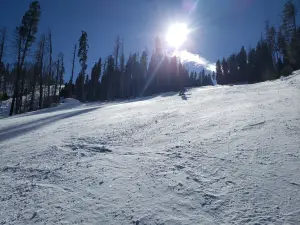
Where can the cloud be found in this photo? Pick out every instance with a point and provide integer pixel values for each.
(198, 60)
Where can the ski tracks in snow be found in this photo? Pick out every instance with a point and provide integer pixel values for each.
(225, 156)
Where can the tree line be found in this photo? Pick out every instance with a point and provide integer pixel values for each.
(276, 54)
(38, 82)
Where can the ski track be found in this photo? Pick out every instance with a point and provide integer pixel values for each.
(223, 155)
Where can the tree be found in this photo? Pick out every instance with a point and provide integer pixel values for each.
(143, 72)
(72, 74)
(25, 36)
(251, 67)
(2, 45)
(62, 72)
(43, 40)
(82, 55)
(122, 69)
(50, 73)
(219, 73)
(225, 70)
(58, 74)
(270, 33)
(289, 20)
(95, 77)
(242, 65)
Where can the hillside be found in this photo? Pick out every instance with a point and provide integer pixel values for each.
(219, 155)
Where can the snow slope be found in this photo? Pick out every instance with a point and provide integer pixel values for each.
(219, 155)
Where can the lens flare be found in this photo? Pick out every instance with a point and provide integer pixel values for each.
(177, 34)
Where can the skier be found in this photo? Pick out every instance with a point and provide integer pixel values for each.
(182, 91)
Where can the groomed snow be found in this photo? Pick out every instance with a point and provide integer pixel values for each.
(219, 155)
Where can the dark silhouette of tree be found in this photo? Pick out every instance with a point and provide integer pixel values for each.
(70, 84)
(220, 74)
(24, 37)
(82, 55)
(50, 69)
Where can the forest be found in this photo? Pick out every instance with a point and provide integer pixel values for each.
(276, 54)
(40, 81)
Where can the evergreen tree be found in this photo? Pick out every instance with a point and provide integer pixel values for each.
(25, 36)
(50, 72)
(242, 65)
(95, 77)
(219, 73)
(72, 74)
(82, 55)
(289, 20)
(225, 70)
(2, 65)
(41, 64)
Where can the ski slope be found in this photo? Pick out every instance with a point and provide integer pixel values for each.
(218, 155)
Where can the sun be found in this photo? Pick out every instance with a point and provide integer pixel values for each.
(177, 34)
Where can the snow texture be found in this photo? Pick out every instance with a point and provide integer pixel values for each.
(217, 155)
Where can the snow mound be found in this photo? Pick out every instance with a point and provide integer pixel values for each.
(293, 80)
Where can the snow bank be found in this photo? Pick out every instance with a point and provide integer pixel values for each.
(222, 155)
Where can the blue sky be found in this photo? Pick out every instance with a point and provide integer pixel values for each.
(220, 26)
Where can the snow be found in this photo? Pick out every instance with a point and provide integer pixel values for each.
(5, 105)
(218, 155)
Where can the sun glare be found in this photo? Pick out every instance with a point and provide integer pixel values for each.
(177, 34)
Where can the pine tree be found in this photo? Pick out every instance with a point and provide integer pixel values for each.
(242, 65)
(50, 72)
(62, 72)
(82, 55)
(219, 73)
(58, 69)
(95, 77)
(289, 25)
(225, 70)
(2, 45)
(143, 72)
(72, 74)
(251, 66)
(122, 69)
(271, 40)
(25, 36)
(42, 50)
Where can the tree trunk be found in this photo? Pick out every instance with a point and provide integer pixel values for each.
(72, 75)
(56, 80)
(50, 67)
(41, 72)
(16, 87)
(33, 89)
(61, 75)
